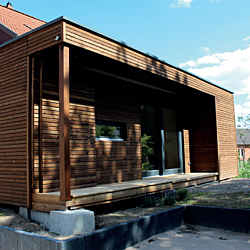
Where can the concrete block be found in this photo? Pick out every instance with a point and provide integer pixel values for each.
(35, 242)
(8, 238)
(132, 232)
(215, 217)
(23, 211)
(41, 217)
(78, 221)
(96, 240)
(77, 242)
(248, 221)
(114, 238)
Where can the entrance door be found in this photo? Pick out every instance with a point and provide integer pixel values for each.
(171, 140)
(161, 142)
(149, 141)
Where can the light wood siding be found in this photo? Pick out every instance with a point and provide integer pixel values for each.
(82, 129)
(14, 112)
(118, 161)
(186, 151)
(226, 133)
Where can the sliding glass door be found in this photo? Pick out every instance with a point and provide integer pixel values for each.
(161, 142)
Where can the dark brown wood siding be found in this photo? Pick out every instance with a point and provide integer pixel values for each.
(203, 141)
(226, 133)
(118, 161)
(14, 112)
(82, 129)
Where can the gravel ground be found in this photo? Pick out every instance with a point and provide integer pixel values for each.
(227, 186)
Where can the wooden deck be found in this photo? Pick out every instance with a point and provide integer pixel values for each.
(107, 193)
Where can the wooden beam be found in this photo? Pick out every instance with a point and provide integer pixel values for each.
(29, 133)
(41, 128)
(64, 149)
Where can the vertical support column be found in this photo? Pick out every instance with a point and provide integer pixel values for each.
(30, 122)
(40, 128)
(64, 148)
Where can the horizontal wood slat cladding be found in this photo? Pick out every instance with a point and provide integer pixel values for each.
(203, 141)
(82, 129)
(226, 133)
(13, 121)
(13, 112)
(118, 161)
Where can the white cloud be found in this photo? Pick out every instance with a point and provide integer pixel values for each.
(206, 49)
(230, 70)
(181, 3)
(247, 38)
(191, 63)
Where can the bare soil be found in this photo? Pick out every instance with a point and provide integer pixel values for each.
(233, 193)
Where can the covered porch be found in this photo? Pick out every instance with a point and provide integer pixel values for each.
(73, 89)
(107, 193)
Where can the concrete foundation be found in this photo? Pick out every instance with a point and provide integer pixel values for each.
(78, 221)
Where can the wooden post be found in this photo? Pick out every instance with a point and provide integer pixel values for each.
(30, 121)
(40, 128)
(64, 149)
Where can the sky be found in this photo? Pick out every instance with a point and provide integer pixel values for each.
(209, 38)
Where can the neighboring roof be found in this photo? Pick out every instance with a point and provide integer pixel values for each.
(63, 18)
(243, 137)
(18, 22)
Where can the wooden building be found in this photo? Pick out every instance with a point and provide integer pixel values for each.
(80, 113)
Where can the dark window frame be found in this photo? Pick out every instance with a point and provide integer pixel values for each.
(122, 125)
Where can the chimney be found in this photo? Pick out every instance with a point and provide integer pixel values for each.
(9, 5)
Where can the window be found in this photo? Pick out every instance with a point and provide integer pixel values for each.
(112, 131)
(242, 153)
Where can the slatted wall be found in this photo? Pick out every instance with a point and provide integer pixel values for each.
(13, 120)
(226, 133)
(118, 161)
(203, 141)
(186, 145)
(82, 128)
(14, 112)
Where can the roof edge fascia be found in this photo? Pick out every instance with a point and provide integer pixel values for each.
(8, 31)
(64, 18)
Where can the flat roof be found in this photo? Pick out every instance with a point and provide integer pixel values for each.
(64, 18)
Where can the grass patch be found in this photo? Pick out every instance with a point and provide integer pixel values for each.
(230, 200)
(244, 170)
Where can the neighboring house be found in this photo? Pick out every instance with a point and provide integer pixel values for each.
(74, 104)
(243, 143)
(14, 23)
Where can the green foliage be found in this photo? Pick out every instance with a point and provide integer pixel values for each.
(182, 194)
(102, 130)
(244, 171)
(169, 201)
(147, 151)
(149, 200)
(200, 193)
(170, 197)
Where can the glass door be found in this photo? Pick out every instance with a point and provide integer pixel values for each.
(148, 141)
(171, 140)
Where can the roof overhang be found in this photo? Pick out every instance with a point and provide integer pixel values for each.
(121, 43)
(8, 31)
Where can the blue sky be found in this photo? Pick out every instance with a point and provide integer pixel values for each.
(210, 38)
